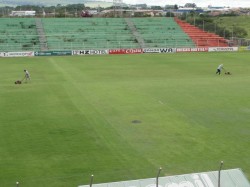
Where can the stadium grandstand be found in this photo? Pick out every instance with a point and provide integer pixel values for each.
(23, 34)
(18, 34)
(200, 37)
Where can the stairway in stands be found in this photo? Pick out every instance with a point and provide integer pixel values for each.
(200, 37)
(41, 34)
(135, 33)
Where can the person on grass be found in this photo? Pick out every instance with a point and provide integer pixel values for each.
(220, 67)
(26, 76)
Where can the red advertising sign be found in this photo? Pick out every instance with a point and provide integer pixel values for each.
(125, 51)
(199, 49)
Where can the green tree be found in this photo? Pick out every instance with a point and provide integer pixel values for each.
(169, 14)
(239, 32)
(190, 5)
(156, 7)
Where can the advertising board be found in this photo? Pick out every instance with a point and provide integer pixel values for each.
(159, 50)
(125, 51)
(53, 53)
(2, 54)
(90, 52)
(223, 49)
(17, 54)
(188, 49)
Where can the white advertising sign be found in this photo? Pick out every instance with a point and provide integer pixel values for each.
(17, 54)
(90, 52)
(222, 49)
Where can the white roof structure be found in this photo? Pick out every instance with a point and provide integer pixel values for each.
(228, 178)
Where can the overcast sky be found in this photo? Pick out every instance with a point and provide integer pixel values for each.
(199, 3)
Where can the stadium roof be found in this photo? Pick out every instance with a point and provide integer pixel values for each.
(228, 178)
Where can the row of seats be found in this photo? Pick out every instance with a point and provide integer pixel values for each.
(162, 32)
(78, 33)
(18, 34)
(200, 37)
(77, 46)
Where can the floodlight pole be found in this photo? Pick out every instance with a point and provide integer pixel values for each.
(91, 180)
(157, 177)
(221, 164)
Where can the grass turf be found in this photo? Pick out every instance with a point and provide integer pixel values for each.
(75, 117)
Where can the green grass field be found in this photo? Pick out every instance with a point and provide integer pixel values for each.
(75, 117)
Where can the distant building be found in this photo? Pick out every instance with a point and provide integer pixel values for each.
(182, 10)
(95, 4)
(139, 6)
(23, 13)
(216, 8)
